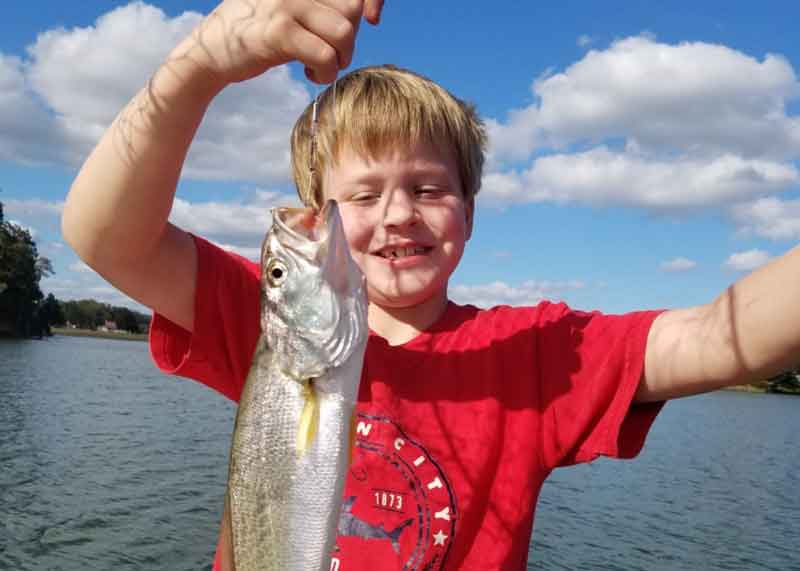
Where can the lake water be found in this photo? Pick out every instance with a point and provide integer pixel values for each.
(107, 464)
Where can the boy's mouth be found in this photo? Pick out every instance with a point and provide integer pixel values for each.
(394, 252)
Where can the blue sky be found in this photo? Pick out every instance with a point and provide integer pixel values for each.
(641, 154)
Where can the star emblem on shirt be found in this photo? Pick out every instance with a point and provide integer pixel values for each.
(438, 538)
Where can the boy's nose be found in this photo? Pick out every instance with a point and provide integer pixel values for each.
(399, 208)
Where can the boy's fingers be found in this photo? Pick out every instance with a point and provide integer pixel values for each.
(372, 11)
(334, 27)
(320, 58)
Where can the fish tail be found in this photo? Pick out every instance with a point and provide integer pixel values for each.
(394, 535)
(309, 418)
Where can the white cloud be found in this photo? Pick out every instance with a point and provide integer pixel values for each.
(501, 254)
(602, 176)
(584, 40)
(86, 75)
(678, 265)
(81, 268)
(33, 208)
(516, 139)
(237, 223)
(76, 80)
(24, 121)
(696, 97)
(31, 230)
(51, 249)
(746, 261)
(499, 293)
(654, 125)
(34, 213)
(769, 218)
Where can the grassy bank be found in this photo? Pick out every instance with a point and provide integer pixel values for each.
(101, 334)
(763, 388)
(760, 389)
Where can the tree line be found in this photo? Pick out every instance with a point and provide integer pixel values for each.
(26, 312)
(91, 314)
(22, 307)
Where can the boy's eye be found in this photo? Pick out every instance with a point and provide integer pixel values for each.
(429, 191)
(364, 196)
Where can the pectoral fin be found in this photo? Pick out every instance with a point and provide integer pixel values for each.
(309, 418)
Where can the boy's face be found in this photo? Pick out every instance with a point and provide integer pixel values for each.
(405, 220)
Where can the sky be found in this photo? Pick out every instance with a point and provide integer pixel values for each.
(641, 155)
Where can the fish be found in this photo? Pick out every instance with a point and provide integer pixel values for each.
(293, 433)
(352, 526)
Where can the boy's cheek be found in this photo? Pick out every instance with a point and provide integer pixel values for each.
(354, 230)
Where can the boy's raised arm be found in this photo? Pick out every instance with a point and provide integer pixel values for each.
(116, 213)
(749, 333)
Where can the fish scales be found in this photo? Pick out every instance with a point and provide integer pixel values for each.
(290, 448)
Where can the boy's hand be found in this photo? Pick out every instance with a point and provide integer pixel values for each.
(241, 39)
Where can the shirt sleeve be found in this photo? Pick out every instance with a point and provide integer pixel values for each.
(219, 351)
(591, 366)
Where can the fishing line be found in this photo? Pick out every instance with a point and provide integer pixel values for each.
(315, 113)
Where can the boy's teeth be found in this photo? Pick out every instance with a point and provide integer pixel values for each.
(402, 252)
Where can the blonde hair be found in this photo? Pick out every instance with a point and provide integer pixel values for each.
(380, 109)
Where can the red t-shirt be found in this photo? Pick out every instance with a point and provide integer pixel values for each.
(458, 428)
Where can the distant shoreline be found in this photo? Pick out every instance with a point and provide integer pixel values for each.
(756, 389)
(753, 389)
(99, 334)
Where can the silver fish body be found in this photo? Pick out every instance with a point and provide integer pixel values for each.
(291, 442)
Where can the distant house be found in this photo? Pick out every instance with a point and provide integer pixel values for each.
(108, 326)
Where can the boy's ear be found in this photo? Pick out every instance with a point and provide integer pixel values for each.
(469, 209)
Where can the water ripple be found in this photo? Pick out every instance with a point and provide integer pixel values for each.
(107, 464)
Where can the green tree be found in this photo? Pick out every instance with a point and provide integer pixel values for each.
(3, 284)
(86, 313)
(125, 319)
(21, 269)
(90, 314)
(787, 382)
(52, 312)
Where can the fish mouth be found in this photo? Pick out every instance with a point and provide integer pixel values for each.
(299, 223)
(306, 223)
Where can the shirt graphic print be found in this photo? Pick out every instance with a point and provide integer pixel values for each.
(399, 510)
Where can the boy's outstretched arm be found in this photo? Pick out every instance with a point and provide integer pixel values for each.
(749, 333)
(115, 216)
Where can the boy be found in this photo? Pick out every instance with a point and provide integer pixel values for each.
(462, 412)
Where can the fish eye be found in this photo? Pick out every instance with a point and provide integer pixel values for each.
(276, 273)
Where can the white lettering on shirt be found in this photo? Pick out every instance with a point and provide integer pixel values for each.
(437, 483)
(363, 428)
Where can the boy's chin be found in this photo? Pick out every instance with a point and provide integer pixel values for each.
(407, 300)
